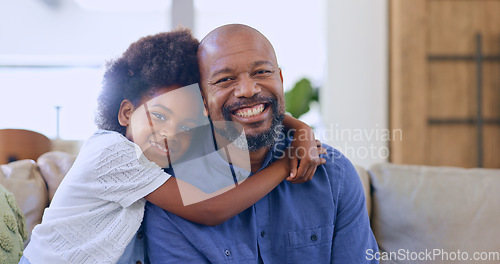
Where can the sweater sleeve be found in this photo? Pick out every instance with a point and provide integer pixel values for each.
(124, 175)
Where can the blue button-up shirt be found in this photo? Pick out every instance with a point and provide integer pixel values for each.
(320, 221)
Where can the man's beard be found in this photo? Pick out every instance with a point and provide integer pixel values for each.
(232, 130)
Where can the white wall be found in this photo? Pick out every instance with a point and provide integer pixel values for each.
(354, 101)
(33, 32)
(294, 27)
(354, 91)
(37, 30)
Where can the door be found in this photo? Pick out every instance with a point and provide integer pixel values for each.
(445, 82)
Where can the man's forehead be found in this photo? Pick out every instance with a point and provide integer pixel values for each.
(255, 52)
(226, 32)
(231, 38)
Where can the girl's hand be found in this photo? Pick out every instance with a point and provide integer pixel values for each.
(304, 156)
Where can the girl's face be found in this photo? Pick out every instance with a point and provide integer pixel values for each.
(162, 124)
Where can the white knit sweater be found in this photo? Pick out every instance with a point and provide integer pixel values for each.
(99, 205)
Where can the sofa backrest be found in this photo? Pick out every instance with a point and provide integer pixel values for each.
(33, 183)
(54, 165)
(23, 179)
(437, 209)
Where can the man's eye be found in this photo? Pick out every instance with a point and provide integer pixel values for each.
(260, 72)
(225, 79)
(159, 116)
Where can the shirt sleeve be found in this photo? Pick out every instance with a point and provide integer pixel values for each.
(124, 175)
(353, 239)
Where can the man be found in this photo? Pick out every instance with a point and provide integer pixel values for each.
(320, 221)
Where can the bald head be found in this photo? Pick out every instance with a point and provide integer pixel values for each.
(232, 34)
(229, 30)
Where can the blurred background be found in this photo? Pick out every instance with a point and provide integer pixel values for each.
(380, 80)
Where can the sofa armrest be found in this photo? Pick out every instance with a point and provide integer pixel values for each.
(365, 180)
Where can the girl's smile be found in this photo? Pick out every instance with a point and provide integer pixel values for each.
(162, 123)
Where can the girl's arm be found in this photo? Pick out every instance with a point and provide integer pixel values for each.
(218, 207)
(305, 150)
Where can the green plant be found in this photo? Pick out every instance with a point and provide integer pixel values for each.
(299, 97)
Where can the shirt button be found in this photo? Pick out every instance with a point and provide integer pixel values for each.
(262, 233)
(139, 235)
(138, 262)
(227, 252)
(314, 237)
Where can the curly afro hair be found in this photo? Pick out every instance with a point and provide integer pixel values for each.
(151, 63)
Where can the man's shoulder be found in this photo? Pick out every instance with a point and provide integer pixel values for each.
(335, 157)
(338, 168)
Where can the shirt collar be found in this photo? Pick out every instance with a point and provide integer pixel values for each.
(277, 149)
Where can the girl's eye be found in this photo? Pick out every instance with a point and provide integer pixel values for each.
(159, 116)
(186, 128)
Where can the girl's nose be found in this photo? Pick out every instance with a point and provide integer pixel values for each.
(171, 138)
(170, 134)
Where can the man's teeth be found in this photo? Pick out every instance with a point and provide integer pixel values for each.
(248, 112)
(158, 146)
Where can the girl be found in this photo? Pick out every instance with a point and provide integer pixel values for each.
(146, 121)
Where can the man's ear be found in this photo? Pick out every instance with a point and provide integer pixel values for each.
(281, 75)
(205, 108)
(125, 112)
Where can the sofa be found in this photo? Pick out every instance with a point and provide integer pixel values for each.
(419, 214)
(33, 184)
(429, 214)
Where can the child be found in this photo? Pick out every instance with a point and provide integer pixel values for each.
(98, 207)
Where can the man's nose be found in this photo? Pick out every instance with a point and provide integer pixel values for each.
(246, 88)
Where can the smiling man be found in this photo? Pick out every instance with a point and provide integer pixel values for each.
(242, 83)
(321, 221)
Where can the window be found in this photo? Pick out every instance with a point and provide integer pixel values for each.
(31, 94)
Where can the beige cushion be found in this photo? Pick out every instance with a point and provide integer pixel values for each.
(54, 165)
(23, 179)
(423, 208)
(365, 180)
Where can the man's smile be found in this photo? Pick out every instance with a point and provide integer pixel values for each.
(251, 113)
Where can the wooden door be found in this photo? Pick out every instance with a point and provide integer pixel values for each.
(445, 82)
